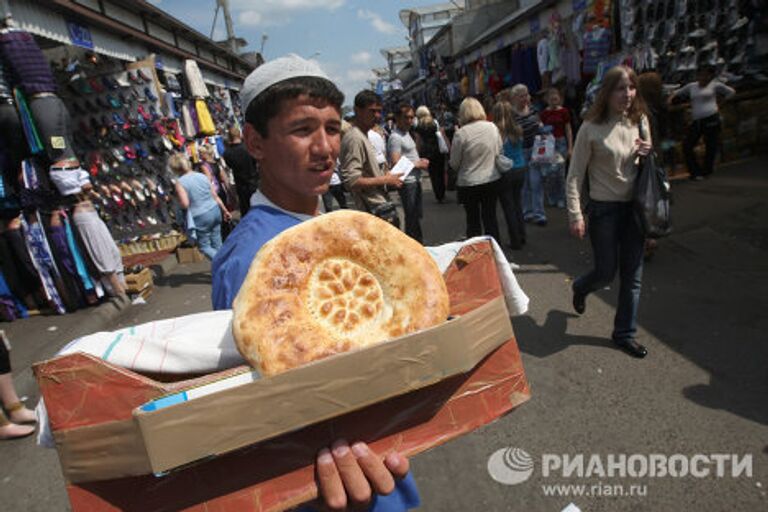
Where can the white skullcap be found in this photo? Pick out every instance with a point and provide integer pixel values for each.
(272, 72)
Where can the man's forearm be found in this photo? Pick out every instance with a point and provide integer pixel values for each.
(376, 181)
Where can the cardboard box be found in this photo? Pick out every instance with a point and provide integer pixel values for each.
(92, 411)
(189, 255)
(136, 283)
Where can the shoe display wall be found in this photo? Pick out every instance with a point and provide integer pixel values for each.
(117, 116)
(685, 34)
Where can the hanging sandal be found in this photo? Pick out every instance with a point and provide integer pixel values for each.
(10, 430)
(25, 416)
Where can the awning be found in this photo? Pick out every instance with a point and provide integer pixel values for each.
(43, 22)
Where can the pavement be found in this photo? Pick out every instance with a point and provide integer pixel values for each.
(701, 390)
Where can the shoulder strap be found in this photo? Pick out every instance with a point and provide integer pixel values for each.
(641, 129)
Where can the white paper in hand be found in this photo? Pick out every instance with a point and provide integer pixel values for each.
(403, 167)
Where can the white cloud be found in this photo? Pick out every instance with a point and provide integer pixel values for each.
(277, 12)
(359, 75)
(249, 18)
(377, 22)
(361, 57)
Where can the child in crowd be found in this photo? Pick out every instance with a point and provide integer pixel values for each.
(559, 119)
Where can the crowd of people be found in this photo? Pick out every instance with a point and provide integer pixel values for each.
(304, 151)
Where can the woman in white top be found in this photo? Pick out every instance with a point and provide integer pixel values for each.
(705, 119)
(606, 151)
(473, 154)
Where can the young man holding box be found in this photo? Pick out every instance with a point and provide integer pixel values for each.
(293, 125)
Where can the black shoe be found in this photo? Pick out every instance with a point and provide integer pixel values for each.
(579, 302)
(632, 348)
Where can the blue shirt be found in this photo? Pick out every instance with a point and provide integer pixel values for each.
(199, 191)
(231, 263)
(514, 151)
(230, 266)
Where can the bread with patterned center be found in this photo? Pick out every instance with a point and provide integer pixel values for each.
(338, 282)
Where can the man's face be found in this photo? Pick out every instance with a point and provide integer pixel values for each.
(369, 116)
(298, 156)
(405, 119)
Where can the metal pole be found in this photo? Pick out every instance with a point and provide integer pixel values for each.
(215, 17)
(228, 22)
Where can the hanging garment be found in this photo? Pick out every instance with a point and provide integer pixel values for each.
(464, 86)
(572, 65)
(188, 125)
(28, 65)
(66, 264)
(531, 76)
(195, 79)
(542, 55)
(220, 146)
(11, 307)
(19, 279)
(555, 50)
(597, 45)
(13, 145)
(170, 105)
(30, 132)
(204, 118)
(195, 120)
(40, 253)
(98, 242)
(80, 266)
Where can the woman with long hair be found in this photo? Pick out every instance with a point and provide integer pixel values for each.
(606, 151)
(512, 179)
(473, 153)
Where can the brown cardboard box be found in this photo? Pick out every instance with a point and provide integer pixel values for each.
(136, 283)
(189, 255)
(189, 431)
(90, 406)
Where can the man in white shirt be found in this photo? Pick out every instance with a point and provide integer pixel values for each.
(380, 145)
(401, 144)
(705, 119)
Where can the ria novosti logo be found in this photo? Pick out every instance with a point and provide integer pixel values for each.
(510, 466)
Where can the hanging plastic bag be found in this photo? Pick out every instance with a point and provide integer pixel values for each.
(543, 149)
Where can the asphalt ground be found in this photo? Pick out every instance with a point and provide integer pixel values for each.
(702, 390)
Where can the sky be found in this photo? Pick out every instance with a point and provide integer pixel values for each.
(343, 36)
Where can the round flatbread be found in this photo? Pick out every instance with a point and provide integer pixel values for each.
(340, 281)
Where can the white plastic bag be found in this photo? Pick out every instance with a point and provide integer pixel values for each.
(543, 149)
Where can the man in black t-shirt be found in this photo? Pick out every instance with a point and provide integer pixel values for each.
(243, 168)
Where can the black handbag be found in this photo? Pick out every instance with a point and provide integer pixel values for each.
(652, 196)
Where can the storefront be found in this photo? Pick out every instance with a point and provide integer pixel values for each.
(92, 107)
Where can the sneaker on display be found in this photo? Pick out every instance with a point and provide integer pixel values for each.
(740, 23)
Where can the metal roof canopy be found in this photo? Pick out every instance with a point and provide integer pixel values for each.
(151, 14)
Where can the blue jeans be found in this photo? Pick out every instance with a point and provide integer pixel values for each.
(553, 176)
(208, 227)
(410, 197)
(533, 194)
(617, 243)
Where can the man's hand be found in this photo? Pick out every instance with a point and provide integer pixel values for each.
(422, 163)
(578, 229)
(347, 478)
(393, 180)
